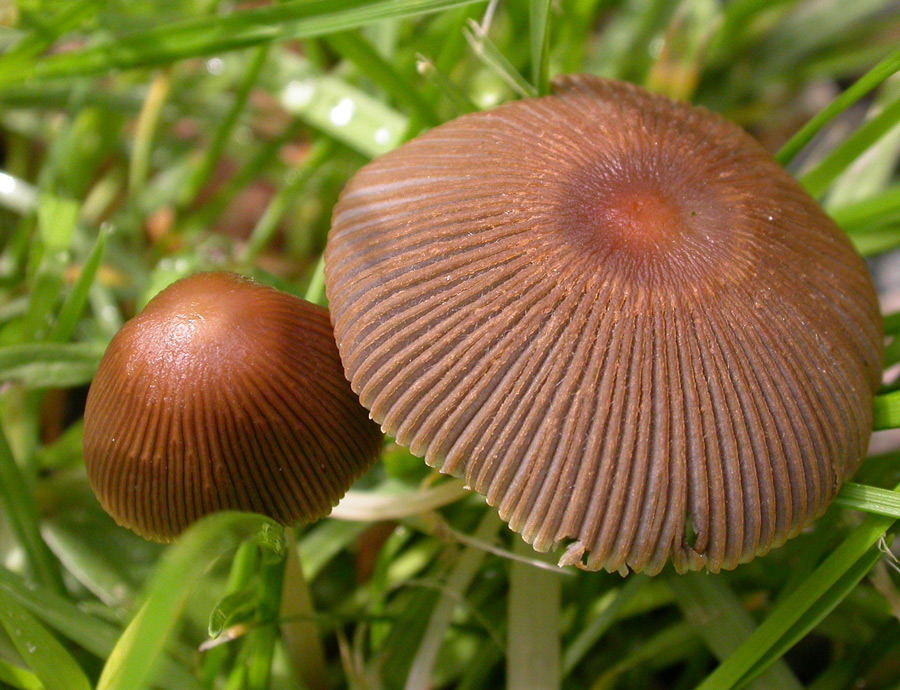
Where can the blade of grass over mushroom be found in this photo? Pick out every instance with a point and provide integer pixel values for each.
(796, 614)
(871, 499)
(370, 506)
(21, 511)
(822, 175)
(43, 653)
(50, 365)
(355, 48)
(717, 615)
(486, 51)
(130, 664)
(217, 33)
(539, 23)
(864, 85)
(465, 569)
(533, 619)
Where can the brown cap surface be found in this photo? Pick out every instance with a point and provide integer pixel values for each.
(223, 394)
(617, 317)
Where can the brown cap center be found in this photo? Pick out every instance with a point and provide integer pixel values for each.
(640, 216)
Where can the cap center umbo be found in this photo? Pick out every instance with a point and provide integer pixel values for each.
(641, 217)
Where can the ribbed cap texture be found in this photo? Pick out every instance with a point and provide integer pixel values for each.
(223, 394)
(615, 316)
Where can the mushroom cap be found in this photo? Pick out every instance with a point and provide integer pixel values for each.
(616, 316)
(223, 394)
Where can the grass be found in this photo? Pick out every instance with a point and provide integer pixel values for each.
(140, 142)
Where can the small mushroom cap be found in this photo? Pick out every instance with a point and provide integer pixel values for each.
(617, 317)
(223, 394)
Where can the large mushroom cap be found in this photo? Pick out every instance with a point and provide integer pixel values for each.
(223, 394)
(617, 317)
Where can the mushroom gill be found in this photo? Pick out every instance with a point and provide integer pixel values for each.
(615, 316)
(223, 394)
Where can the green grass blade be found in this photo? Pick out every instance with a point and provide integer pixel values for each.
(167, 43)
(73, 306)
(887, 411)
(56, 221)
(43, 653)
(796, 614)
(72, 16)
(130, 664)
(356, 49)
(147, 123)
(299, 630)
(50, 365)
(865, 84)
(871, 499)
(861, 215)
(670, 644)
(532, 638)
(820, 178)
(345, 113)
(315, 291)
(19, 678)
(21, 510)
(876, 241)
(892, 322)
(296, 180)
(486, 51)
(816, 613)
(539, 20)
(325, 541)
(717, 615)
(202, 173)
(460, 100)
(600, 623)
(458, 581)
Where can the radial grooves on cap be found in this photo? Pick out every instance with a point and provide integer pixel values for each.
(250, 412)
(510, 302)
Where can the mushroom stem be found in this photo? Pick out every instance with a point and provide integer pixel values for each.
(302, 642)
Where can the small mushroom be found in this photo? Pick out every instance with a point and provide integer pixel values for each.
(616, 316)
(223, 394)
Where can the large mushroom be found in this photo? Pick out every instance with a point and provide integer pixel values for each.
(617, 317)
(223, 394)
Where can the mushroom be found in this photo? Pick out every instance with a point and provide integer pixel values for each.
(223, 394)
(616, 316)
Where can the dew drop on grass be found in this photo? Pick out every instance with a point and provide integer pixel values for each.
(343, 112)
